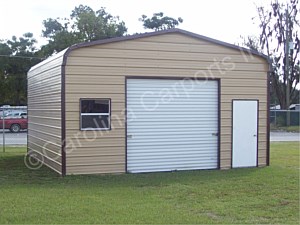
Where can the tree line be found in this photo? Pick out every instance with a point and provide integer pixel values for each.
(279, 24)
(279, 40)
(84, 24)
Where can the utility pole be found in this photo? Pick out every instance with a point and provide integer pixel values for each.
(3, 128)
(287, 65)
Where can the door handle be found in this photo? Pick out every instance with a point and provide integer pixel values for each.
(254, 135)
(215, 134)
(129, 136)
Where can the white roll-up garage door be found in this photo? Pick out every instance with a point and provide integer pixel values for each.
(171, 125)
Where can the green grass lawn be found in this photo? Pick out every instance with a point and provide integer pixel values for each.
(295, 129)
(292, 129)
(254, 195)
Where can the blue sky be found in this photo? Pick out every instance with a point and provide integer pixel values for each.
(220, 19)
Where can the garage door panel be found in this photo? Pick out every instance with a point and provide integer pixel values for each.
(183, 119)
(172, 125)
(157, 155)
(140, 168)
(169, 136)
(183, 100)
(164, 152)
(205, 148)
(156, 107)
(154, 120)
(151, 95)
(176, 138)
(137, 116)
(172, 145)
(180, 98)
(164, 127)
(171, 121)
(164, 160)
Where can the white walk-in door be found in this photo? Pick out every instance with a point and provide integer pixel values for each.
(244, 143)
(171, 125)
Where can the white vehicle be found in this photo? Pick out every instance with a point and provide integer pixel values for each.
(17, 114)
(13, 111)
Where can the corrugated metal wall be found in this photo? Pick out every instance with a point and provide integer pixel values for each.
(99, 72)
(44, 111)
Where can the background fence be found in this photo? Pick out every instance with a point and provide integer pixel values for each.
(279, 118)
(13, 126)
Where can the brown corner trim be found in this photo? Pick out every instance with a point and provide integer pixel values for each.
(126, 125)
(63, 110)
(268, 119)
(257, 133)
(219, 123)
(63, 120)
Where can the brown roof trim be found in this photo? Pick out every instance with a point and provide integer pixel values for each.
(48, 60)
(169, 31)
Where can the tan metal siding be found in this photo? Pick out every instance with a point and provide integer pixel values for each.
(44, 111)
(96, 169)
(174, 38)
(139, 54)
(161, 64)
(185, 46)
(99, 72)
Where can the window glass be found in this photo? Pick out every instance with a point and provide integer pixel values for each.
(95, 114)
(94, 106)
(94, 121)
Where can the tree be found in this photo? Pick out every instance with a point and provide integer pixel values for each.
(84, 25)
(96, 25)
(160, 22)
(4, 52)
(279, 27)
(18, 55)
(251, 42)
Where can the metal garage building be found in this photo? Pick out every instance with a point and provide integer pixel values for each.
(161, 101)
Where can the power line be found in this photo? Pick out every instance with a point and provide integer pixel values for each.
(22, 57)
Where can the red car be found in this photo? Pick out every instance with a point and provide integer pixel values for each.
(15, 123)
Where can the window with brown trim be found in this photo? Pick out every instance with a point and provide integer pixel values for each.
(94, 114)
